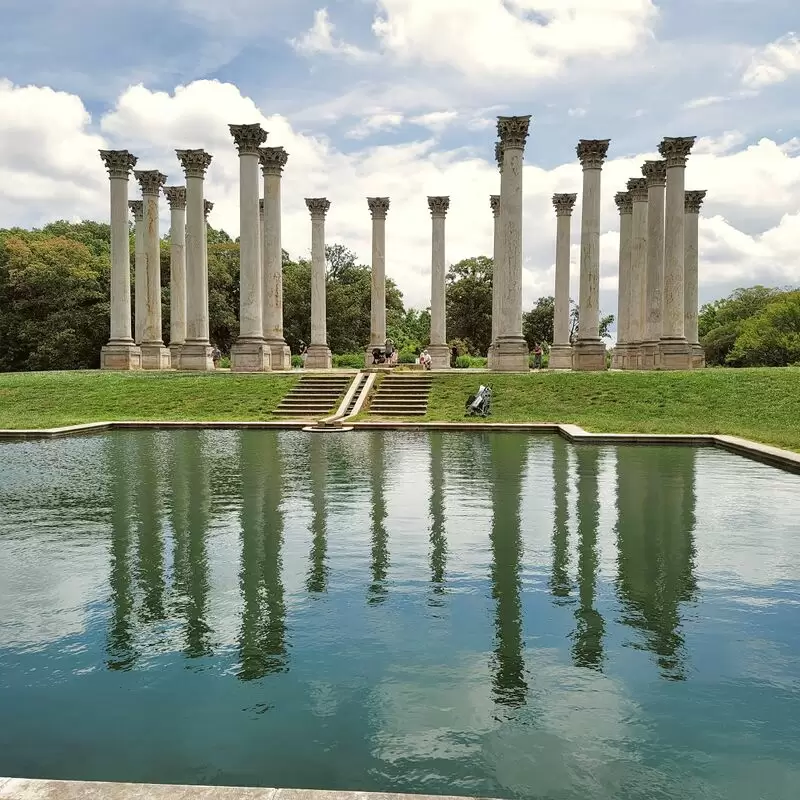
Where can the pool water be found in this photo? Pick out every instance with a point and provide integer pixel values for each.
(489, 614)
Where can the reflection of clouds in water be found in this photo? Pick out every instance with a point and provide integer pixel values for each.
(744, 533)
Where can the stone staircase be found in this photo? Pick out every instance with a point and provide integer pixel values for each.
(314, 396)
(400, 395)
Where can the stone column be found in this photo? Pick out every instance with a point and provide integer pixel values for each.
(438, 349)
(196, 352)
(154, 354)
(319, 354)
(621, 359)
(273, 160)
(139, 271)
(561, 351)
(494, 203)
(655, 172)
(250, 353)
(378, 208)
(590, 352)
(636, 314)
(176, 197)
(121, 351)
(511, 352)
(692, 203)
(674, 350)
(261, 254)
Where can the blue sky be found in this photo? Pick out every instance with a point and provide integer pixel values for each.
(365, 80)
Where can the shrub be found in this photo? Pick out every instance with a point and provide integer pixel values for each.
(297, 361)
(349, 361)
(407, 357)
(463, 362)
(225, 362)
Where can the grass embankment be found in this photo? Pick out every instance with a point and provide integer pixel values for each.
(54, 399)
(758, 404)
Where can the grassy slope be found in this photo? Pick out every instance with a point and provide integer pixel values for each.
(759, 404)
(51, 399)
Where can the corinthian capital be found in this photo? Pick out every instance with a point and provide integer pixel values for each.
(176, 197)
(150, 180)
(207, 207)
(675, 149)
(494, 203)
(248, 138)
(692, 201)
(318, 206)
(592, 152)
(564, 203)
(194, 162)
(378, 206)
(498, 155)
(655, 173)
(272, 160)
(137, 207)
(624, 202)
(119, 163)
(638, 189)
(513, 131)
(438, 205)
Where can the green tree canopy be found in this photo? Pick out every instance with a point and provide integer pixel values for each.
(469, 303)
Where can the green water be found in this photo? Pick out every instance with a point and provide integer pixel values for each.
(482, 614)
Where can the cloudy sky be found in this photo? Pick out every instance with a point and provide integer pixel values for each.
(400, 98)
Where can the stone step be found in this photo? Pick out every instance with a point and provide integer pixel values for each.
(399, 413)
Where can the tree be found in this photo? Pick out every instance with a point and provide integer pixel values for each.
(574, 323)
(770, 338)
(537, 324)
(469, 303)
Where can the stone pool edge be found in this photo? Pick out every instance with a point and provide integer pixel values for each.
(35, 789)
(774, 456)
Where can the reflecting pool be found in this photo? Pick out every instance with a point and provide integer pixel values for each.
(486, 614)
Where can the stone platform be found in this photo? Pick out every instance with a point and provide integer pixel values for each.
(28, 789)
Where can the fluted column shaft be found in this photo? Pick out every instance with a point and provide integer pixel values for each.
(561, 351)
(273, 160)
(494, 203)
(625, 205)
(693, 203)
(638, 190)
(176, 197)
(139, 270)
(151, 182)
(439, 351)
(120, 352)
(319, 354)
(378, 206)
(656, 174)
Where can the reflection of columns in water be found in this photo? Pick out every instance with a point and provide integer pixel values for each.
(150, 570)
(380, 547)
(263, 637)
(560, 583)
(190, 519)
(508, 455)
(655, 544)
(438, 539)
(587, 649)
(317, 580)
(120, 650)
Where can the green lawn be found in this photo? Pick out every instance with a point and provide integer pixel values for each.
(53, 399)
(759, 404)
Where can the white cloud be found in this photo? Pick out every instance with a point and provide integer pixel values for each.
(775, 63)
(576, 112)
(437, 121)
(319, 39)
(750, 228)
(382, 121)
(504, 39)
(702, 102)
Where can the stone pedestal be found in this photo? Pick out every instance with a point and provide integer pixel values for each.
(698, 356)
(676, 353)
(318, 356)
(655, 172)
(592, 154)
(121, 351)
(250, 356)
(378, 208)
(273, 160)
(621, 358)
(511, 350)
(196, 352)
(560, 357)
(561, 350)
(319, 353)
(154, 354)
(692, 202)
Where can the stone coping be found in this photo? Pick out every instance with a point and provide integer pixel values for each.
(29, 789)
(775, 456)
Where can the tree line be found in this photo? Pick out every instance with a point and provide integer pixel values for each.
(54, 304)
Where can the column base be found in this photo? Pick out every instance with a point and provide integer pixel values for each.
(250, 355)
(280, 355)
(698, 356)
(175, 355)
(626, 356)
(589, 355)
(675, 354)
(511, 355)
(440, 356)
(155, 356)
(196, 356)
(318, 356)
(649, 356)
(120, 355)
(560, 357)
(490, 357)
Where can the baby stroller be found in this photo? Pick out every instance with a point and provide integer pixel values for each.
(480, 404)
